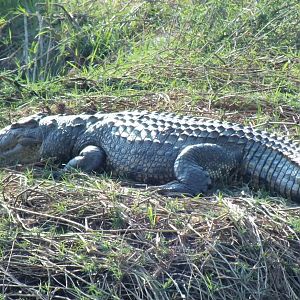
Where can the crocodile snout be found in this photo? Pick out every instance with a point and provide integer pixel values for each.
(17, 146)
(7, 139)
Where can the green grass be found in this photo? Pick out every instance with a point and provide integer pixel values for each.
(93, 238)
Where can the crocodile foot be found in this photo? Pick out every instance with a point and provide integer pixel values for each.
(178, 189)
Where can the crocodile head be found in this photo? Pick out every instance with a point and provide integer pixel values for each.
(21, 141)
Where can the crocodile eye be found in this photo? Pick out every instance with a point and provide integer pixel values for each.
(27, 122)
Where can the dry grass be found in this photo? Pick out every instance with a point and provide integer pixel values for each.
(94, 239)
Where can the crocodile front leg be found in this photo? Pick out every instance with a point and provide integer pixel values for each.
(197, 166)
(90, 159)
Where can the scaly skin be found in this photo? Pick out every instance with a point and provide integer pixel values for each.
(183, 154)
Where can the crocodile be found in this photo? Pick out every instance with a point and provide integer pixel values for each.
(178, 154)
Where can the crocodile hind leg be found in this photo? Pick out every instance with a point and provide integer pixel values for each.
(90, 159)
(197, 166)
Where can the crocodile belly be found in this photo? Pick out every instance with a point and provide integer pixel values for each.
(151, 163)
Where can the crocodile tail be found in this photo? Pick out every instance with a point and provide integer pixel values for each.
(275, 165)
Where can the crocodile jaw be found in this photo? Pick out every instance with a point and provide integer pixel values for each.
(18, 146)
